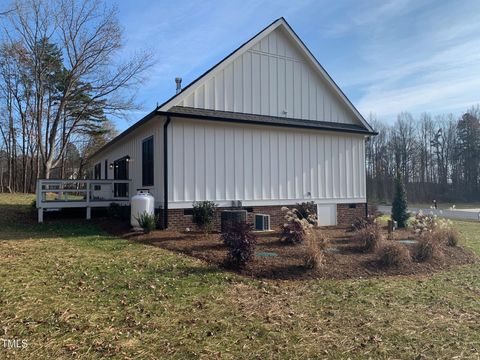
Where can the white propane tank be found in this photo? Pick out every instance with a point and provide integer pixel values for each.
(142, 202)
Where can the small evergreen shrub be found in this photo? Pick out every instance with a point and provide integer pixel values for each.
(371, 237)
(399, 204)
(308, 211)
(203, 215)
(148, 222)
(295, 228)
(393, 254)
(241, 242)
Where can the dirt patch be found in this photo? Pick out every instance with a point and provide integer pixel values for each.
(344, 258)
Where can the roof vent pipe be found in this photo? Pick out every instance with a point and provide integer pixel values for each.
(178, 81)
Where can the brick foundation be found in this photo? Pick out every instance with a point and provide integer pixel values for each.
(346, 214)
(177, 221)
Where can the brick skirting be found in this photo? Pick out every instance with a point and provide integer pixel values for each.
(179, 222)
(346, 214)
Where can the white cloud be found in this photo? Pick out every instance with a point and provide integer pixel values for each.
(397, 55)
(428, 61)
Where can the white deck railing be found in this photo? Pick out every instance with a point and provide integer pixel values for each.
(57, 194)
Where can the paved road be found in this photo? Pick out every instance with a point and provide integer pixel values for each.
(458, 214)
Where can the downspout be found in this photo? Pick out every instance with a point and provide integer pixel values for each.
(165, 173)
(367, 139)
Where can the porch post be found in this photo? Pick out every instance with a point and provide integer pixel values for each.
(89, 210)
(39, 200)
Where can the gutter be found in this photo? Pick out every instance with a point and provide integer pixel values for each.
(312, 126)
(165, 172)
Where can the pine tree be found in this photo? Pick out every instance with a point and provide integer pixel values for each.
(399, 205)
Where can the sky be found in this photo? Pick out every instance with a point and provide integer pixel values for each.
(387, 56)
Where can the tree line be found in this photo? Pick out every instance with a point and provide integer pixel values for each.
(439, 157)
(61, 78)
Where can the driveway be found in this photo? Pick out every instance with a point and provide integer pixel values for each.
(457, 214)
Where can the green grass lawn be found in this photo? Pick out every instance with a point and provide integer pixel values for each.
(71, 290)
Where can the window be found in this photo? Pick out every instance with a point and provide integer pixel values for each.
(147, 162)
(106, 169)
(97, 171)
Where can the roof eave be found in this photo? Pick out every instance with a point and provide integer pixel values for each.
(123, 134)
(311, 126)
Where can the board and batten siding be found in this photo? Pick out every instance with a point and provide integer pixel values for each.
(131, 146)
(262, 165)
(271, 78)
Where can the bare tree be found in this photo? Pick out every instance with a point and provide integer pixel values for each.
(73, 47)
(440, 155)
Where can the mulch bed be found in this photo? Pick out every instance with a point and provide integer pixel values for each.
(348, 261)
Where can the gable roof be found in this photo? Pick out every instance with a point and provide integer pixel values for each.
(281, 22)
(169, 106)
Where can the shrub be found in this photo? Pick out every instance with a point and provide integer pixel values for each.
(241, 242)
(148, 222)
(399, 205)
(371, 237)
(441, 230)
(314, 256)
(293, 233)
(295, 228)
(117, 211)
(428, 247)
(307, 211)
(361, 223)
(447, 234)
(393, 254)
(33, 205)
(452, 237)
(204, 214)
(424, 222)
(424, 250)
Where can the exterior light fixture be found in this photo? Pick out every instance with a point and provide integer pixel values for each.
(110, 166)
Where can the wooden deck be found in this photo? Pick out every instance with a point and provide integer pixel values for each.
(59, 194)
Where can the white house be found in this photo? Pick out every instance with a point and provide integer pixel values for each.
(266, 127)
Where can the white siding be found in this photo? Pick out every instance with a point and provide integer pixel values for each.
(262, 164)
(131, 146)
(271, 77)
